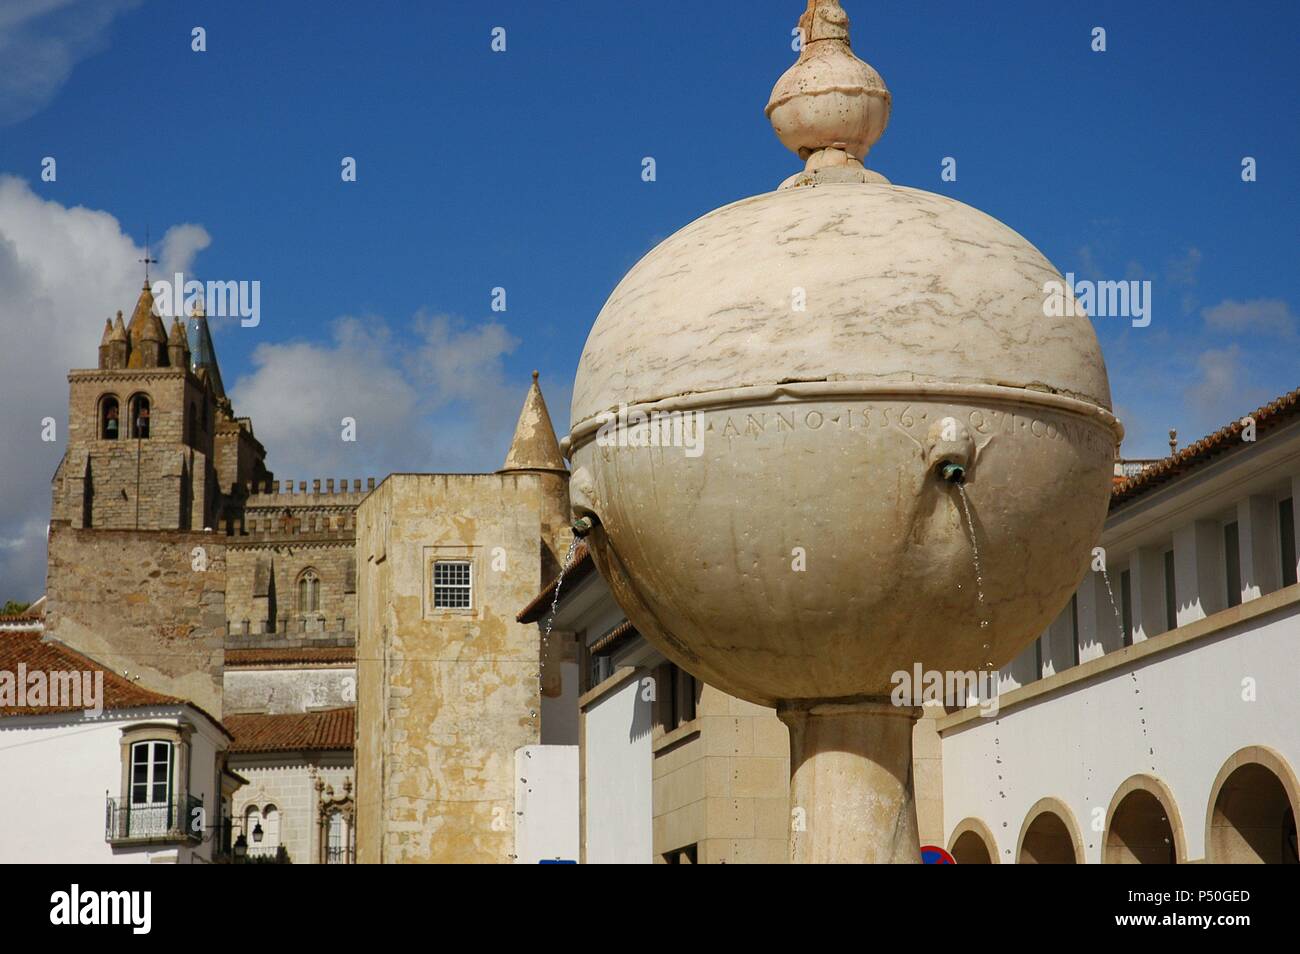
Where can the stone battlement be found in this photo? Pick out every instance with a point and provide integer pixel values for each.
(291, 633)
(281, 493)
(340, 525)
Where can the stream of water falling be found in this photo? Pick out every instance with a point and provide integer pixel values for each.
(550, 621)
(1119, 618)
(984, 627)
(979, 573)
(1137, 688)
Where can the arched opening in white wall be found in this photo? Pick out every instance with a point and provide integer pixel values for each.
(1049, 836)
(1142, 825)
(972, 844)
(1252, 813)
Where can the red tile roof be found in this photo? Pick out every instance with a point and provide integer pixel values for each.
(39, 654)
(1276, 413)
(292, 731)
(33, 614)
(620, 634)
(287, 655)
(539, 606)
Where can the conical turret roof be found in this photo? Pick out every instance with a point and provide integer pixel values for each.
(534, 446)
(203, 356)
(177, 335)
(144, 326)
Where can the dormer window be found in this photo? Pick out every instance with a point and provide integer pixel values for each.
(108, 419)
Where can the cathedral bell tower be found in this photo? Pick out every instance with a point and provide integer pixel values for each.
(141, 432)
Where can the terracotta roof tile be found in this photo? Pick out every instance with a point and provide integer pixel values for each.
(34, 613)
(292, 731)
(302, 654)
(38, 654)
(611, 640)
(1272, 415)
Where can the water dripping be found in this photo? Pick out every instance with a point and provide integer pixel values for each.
(979, 573)
(1119, 619)
(550, 622)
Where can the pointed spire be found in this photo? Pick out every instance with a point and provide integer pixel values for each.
(534, 446)
(106, 344)
(178, 347)
(203, 356)
(147, 334)
(177, 335)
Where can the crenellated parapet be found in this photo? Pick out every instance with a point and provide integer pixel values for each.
(285, 493)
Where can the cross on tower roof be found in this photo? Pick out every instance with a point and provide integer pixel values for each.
(147, 260)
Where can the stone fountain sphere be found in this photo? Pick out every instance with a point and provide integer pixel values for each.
(838, 344)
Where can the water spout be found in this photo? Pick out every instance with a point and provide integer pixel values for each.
(951, 472)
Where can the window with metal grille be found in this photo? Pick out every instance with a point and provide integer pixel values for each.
(452, 584)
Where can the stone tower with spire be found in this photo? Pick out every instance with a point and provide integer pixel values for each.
(450, 684)
(535, 450)
(154, 474)
(141, 451)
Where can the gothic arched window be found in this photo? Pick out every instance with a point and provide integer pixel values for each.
(308, 591)
(194, 422)
(139, 416)
(109, 425)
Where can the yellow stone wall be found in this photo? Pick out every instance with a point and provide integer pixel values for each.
(443, 696)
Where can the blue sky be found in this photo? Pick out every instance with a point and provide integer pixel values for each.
(522, 169)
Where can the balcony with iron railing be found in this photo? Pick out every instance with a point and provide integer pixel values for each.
(178, 819)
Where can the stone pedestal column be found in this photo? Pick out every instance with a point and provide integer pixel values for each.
(851, 795)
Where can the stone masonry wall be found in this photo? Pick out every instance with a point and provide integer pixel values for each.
(136, 602)
(445, 697)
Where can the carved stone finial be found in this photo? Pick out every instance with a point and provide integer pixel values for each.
(829, 107)
(824, 21)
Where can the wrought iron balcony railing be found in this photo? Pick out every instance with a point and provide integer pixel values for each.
(179, 819)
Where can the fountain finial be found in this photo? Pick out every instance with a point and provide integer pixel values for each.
(829, 107)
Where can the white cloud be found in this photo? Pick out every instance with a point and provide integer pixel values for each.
(1259, 316)
(40, 43)
(179, 247)
(440, 404)
(435, 397)
(63, 271)
(1222, 389)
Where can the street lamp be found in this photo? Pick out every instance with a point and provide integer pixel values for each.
(241, 847)
(257, 833)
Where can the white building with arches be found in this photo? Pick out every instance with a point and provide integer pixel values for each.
(1163, 724)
